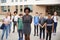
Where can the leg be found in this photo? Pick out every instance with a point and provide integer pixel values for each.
(28, 37)
(19, 34)
(37, 30)
(55, 27)
(3, 34)
(40, 32)
(47, 36)
(43, 33)
(7, 31)
(50, 35)
(10, 27)
(25, 36)
(34, 30)
(13, 27)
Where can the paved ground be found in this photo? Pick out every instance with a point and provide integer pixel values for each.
(14, 36)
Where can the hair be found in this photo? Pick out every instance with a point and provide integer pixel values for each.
(10, 14)
(27, 8)
(15, 12)
(36, 12)
(49, 13)
(20, 14)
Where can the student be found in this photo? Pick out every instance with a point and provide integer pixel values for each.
(36, 22)
(27, 20)
(49, 27)
(15, 18)
(6, 28)
(42, 26)
(55, 18)
(20, 27)
(10, 18)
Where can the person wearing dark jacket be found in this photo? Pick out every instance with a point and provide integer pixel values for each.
(49, 27)
(42, 26)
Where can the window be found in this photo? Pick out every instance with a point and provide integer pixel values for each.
(21, 8)
(30, 6)
(3, 8)
(16, 0)
(8, 8)
(25, 0)
(16, 8)
(3, 1)
(12, 0)
(20, 0)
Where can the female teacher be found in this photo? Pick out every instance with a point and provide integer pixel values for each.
(27, 20)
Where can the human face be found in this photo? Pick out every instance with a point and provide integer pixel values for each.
(27, 11)
(55, 13)
(49, 16)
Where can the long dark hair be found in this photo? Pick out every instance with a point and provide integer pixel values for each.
(10, 14)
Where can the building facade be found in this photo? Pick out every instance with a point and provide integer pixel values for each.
(39, 6)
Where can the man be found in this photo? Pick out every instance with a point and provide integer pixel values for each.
(15, 18)
(36, 22)
(49, 27)
(42, 26)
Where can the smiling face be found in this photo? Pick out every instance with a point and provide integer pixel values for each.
(27, 11)
(55, 13)
(49, 16)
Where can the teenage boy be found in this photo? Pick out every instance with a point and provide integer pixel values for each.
(15, 18)
(36, 22)
(42, 26)
(49, 27)
(20, 27)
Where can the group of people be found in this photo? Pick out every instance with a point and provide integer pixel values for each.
(23, 24)
(48, 24)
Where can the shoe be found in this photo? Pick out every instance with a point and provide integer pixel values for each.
(13, 32)
(34, 34)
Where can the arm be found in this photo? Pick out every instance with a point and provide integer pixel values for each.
(52, 27)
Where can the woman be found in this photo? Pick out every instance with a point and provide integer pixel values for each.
(20, 27)
(6, 28)
(27, 20)
(55, 18)
(10, 18)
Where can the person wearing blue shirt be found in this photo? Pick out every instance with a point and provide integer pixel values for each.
(36, 22)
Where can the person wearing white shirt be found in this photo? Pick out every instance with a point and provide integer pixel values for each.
(55, 18)
(15, 18)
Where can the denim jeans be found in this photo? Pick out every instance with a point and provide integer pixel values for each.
(55, 26)
(20, 33)
(10, 27)
(35, 29)
(6, 28)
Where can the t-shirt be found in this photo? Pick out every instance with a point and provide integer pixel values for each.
(6, 20)
(15, 18)
(20, 23)
(42, 21)
(36, 20)
(49, 23)
(55, 18)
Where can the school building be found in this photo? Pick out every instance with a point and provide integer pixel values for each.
(39, 6)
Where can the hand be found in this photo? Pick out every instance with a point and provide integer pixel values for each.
(52, 31)
(40, 25)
